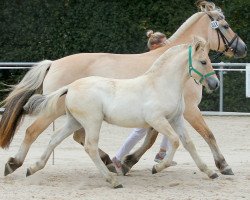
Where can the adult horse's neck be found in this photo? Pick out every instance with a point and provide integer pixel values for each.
(197, 24)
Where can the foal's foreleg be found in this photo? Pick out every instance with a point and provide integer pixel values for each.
(189, 146)
(70, 126)
(163, 126)
(130, 160)
(194, 117)
(32, 132)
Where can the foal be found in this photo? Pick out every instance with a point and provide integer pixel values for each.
(154, 99)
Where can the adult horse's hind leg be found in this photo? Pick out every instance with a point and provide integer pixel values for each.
(70, 126)
(79, 136)
(130, 160)
(32, 132)
(194, 117)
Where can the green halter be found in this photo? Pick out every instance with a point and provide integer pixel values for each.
(191, 68)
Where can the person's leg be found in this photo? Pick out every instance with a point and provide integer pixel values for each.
(164, 147)
(135, 136)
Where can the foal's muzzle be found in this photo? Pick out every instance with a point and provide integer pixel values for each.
(213, 83)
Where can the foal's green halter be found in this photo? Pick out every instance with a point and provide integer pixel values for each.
(191, 68)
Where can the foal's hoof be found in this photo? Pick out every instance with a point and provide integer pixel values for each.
(28, 173)
(154, 170)
(213, 176)
(227, 171)
(118, 186)
(111, 168)
(125, 169)
(11, 166)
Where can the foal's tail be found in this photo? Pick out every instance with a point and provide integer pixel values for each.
(13, 104)
(45, 104)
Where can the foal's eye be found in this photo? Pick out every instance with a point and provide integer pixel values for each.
(226, 26)
(203, 62)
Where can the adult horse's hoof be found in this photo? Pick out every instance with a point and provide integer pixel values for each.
(125, 169)
(111, 168)
(213, 176)
(11, 166)
(118, 186)
(227, 172)
(28, 173)
(154, 170)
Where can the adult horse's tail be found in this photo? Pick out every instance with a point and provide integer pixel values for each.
(13, 104)
(45, 104)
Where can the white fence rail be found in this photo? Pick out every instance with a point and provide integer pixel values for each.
(221, 67)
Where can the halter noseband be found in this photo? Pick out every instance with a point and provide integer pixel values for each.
(227, 44)
(191, 68)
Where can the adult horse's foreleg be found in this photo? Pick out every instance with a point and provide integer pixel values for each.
(194, 117)
(32, 132)
(130, 160)
(189, 146)
(79, 136)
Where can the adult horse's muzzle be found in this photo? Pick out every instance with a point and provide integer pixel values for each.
(239, 48)
(212, 82)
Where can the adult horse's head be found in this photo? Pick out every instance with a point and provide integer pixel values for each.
(220, 35)
(200, 66)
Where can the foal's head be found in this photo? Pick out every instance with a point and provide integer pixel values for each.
(220, 35)
(200, 67)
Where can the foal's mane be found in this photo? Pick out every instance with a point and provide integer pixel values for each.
(169, 53)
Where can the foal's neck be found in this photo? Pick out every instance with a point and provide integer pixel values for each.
(170, 70)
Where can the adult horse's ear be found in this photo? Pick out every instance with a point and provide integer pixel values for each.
(205, 6)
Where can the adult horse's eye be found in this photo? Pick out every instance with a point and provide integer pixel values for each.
(203, 62)
(226, 26)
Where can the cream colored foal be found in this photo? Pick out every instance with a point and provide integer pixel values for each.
(154, 99)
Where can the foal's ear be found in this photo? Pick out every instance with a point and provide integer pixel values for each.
(198, 43)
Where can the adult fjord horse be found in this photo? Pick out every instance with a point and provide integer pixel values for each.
(153, 99)
(48, 76)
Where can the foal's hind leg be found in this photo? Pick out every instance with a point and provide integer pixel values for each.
(91, 146)
(79, 136)
(194, 117)
(130, 160)
(70, 126)
(36, 128)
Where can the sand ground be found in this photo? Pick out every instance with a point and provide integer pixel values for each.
(74, 176)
